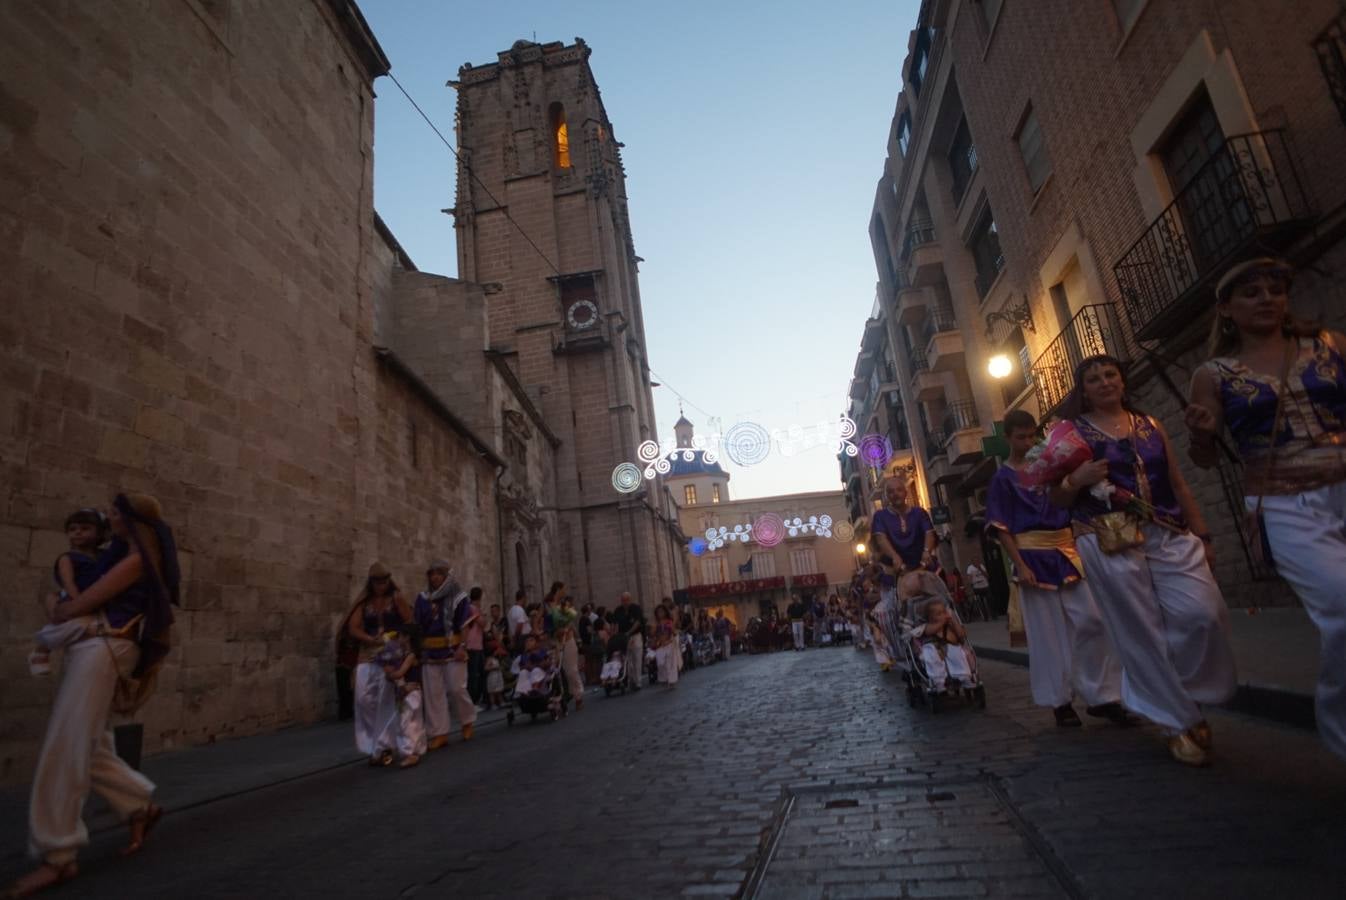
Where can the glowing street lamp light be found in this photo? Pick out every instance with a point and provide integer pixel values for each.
(860, 549)
(999, 366)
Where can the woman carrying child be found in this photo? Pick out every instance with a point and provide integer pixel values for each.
(132, 602)
(665, 642)
(1148, 562)
(564, 617)
(379, 613)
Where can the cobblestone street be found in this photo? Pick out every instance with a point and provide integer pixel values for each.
(789, 775)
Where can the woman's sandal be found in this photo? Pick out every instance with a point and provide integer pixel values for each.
(44, 876)
(141, 824)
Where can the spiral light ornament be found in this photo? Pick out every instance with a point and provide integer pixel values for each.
(747, 443)
(876, 450)
(768, 530)
(626, 478)
(843, 532)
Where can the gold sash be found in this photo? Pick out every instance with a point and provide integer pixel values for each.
(1061, 539)
(435, 643)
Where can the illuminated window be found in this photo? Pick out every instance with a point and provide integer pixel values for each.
(689, 494)
(560, 137)
(714, 493)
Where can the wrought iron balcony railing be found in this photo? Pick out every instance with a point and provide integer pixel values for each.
(934, 445)
(1093, 330)
(1247, 193)
(938, 320)
(960, 416)
(916, 361)
(920, 231)
(1330, 45)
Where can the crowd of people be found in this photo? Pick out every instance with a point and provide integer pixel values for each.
(1113, 558)
(408, 671)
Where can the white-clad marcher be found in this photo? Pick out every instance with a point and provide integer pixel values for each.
(1150, 574)
(380, 610)
(1068, 647)
(1298, 481)
(441, 613)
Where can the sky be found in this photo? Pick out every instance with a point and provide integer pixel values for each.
(754, 135)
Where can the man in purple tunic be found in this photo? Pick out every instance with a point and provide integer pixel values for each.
(904, 538)
(1065, 631)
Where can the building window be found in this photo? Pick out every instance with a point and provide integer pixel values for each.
(985, 247)
(560, 137)
(903, 136)
(1128, 11)
(1034, 151)
(962, 160)
(712, 570)
(763, 564)
(714, 493)
(689, 494)
(1199, 173)
(920, 59)
(803, 561)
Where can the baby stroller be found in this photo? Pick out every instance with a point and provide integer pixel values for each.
(917, 592)
(613, 676)
(549, 696)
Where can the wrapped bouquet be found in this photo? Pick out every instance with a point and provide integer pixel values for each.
(1061, 452)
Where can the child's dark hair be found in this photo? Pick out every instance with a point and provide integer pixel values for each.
(1019, 418)
(474, 595)
(88, 516)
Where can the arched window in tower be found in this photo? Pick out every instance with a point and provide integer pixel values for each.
(560, 137)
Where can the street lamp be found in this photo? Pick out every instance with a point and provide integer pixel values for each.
(860, 549)
(999, 366)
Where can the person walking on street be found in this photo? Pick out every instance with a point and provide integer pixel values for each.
(474, 638)
(722, 629)
(981, 588)
(796, 611)
(629, 619)
(380, 612)
(1067, 642)
(564, 617)
(518, 621)
(428, 612)
(1279, 386)
(1149, 563)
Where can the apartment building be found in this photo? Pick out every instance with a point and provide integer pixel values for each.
(1066, 178)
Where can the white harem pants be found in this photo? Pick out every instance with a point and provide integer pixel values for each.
(376, 718)
(1307, 533)
(1168, 623)
(1068, 646)
(78, 753)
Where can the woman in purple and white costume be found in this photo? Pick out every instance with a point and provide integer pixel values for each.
(1066, 639)
(904, 540)
(1262, 358)
(1164, 612)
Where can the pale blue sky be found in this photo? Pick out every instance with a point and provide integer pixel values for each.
(754, 136)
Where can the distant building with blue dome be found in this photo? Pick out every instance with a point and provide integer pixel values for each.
(693, 481)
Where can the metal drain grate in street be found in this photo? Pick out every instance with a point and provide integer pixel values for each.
(899, 840)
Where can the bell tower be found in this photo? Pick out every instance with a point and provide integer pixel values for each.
(542, 224)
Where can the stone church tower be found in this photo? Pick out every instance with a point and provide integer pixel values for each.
(542, 225)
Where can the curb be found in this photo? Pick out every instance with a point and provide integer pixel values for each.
(1262, 701)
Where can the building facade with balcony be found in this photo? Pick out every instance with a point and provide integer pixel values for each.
(1088, 183)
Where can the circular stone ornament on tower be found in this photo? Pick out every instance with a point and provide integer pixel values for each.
(582, 314)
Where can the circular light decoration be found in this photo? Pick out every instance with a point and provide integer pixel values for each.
(768, 530)
(843, 532)
(582, 314)
(876, 450)
(655, 456)
(747, 443)
(626, 478)
(696, 546)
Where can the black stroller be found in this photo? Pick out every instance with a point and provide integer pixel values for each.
(921, 687)
(552, 699)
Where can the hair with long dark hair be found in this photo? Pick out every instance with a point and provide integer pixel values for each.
(1076, 405)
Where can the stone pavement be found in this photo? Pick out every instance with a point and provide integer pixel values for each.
(787, 775)
(1277, 652)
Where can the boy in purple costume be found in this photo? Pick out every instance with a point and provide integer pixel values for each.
(1066, 638)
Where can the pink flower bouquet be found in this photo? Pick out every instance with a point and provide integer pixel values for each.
(1063, 451)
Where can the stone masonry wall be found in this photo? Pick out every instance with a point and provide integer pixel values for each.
(189, 255)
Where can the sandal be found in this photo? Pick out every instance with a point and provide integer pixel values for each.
(144, 821)
(44, 876)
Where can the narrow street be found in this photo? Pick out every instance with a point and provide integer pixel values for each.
(812, 759)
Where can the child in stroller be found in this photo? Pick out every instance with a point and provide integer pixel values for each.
(939, 660)
(613, 676)
(537, 689)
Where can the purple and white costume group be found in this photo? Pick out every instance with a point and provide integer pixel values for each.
(906, 532)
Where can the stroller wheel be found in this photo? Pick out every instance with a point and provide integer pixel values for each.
(509, 718)
(935, 703)
(607, 690)
(913, 696)
(980, 694)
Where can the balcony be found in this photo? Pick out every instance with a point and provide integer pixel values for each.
(911, 305)
(934, 445)
(1247, 195)
(1330, 45)
(1093, 330)
(963, 427)
(921, 254)
(916, 363)
(943, 340)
